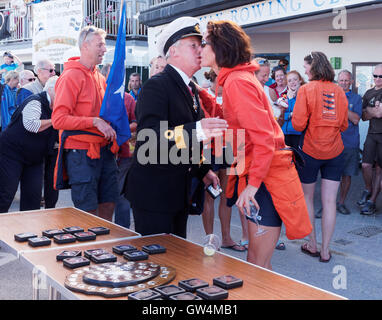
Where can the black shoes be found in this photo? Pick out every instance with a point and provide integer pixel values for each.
(365, 196)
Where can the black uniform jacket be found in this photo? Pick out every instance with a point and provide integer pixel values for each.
(167, 154)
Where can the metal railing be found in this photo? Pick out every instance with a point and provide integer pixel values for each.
(103, 14)
(20, 26)
(159, 2)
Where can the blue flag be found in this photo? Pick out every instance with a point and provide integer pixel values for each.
(113, 106)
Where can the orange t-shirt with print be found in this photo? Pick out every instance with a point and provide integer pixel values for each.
(322, 109)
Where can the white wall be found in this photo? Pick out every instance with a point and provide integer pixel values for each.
(358, 46)
(270, 42)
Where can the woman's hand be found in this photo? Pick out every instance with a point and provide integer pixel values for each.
(291, 93)
(211, 178)
(245, 197)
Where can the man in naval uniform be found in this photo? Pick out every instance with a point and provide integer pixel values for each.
(168, 105)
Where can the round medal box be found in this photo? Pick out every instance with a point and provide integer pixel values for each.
(118, 278)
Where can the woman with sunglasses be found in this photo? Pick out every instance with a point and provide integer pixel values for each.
(257, 138)
(321, 112)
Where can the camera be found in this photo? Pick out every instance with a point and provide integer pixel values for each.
(214, 193)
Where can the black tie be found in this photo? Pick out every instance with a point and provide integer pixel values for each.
(194, 96)
(192, 86)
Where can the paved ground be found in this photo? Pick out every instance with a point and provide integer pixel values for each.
(355, 270)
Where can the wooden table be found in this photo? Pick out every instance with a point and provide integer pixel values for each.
(39, 220)
(190, 262)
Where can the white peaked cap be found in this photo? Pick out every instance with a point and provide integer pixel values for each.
(180, 28)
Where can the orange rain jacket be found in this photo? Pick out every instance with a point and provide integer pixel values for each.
(79, 94)
(261, 157)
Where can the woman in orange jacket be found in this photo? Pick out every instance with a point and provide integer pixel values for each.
(262, 170)
(321, 112)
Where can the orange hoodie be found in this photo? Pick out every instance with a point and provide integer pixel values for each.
(79, 94)
(322, 109)
(246, 106)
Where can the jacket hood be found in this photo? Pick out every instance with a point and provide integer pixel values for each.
(225, 72)
(74, 63)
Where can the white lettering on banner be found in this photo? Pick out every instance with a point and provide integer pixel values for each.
(57, 25)
(276, 9)
(271, 10)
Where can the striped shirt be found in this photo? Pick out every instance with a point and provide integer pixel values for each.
(31, 115)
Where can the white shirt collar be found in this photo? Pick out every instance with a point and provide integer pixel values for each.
(185, 77)
(48, 97)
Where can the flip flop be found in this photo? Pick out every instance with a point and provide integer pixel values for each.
(304, 249)
(235, 247)
(325, 260)
(244, 244)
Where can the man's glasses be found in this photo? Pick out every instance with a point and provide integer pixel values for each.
(50, 70)
(31, 79)
(204, 43)
(377, 76)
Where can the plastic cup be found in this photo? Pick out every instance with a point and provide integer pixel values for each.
(211, 244)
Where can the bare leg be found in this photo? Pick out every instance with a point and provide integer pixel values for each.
(208, 214)
(329, 190)
(225, 212)
(376, 183)
(261, 248)
(367, 172)
(106, 210)
(309, 199)
(345, 186)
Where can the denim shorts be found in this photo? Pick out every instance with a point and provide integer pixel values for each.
(93, 181)
(331, 169)
(351, 162)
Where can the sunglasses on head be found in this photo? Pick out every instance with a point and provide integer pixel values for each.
(263, 61)
(204, 43)
(377, 76)
(90, 29)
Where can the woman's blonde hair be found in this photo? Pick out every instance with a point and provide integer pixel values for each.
(11, 75)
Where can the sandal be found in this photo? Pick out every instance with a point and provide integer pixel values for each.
(280, 245)
(244, 244)
(235, 247)
(325, 260)
(304, 249)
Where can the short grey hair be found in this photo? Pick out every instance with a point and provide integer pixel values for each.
(25, 73)
(87, 34)
(378, 66)
(11, 75)
(176, 44)
(345, 71)
(50, 83)
(41, 64)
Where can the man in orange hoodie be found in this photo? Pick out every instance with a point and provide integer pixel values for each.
(79, 93)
